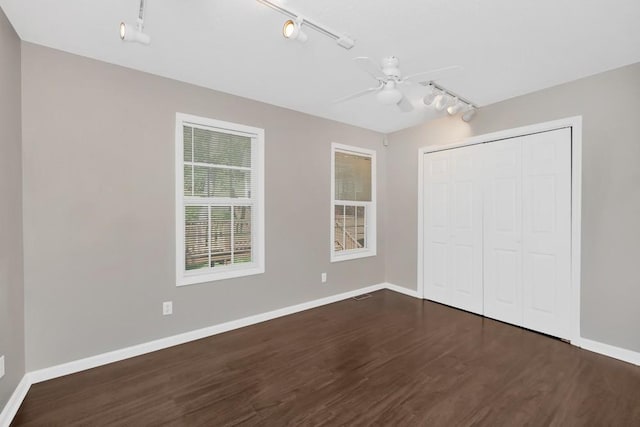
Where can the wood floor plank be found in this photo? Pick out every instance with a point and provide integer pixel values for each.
(386, 360)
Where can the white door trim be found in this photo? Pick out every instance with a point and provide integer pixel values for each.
(575, 123)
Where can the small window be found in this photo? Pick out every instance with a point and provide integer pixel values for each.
(219, 200)
(353, 204)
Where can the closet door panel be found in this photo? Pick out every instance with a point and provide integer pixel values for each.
(503, 231)
(547, 232)
(437, 229)
(466, 228)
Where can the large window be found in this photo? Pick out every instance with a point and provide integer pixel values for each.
(353, 205)
(219, 200)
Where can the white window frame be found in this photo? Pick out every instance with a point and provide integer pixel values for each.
(370, 207)
(256, 266)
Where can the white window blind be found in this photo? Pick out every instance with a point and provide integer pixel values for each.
(221, 205)
(353, 209)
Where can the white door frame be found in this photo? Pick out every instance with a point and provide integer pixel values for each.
(575, 123)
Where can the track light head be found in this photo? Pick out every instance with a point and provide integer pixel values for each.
(469, 113)
(293, 30)
(292, 27)
(442, 101)
(430, 96)
(133, 33)
(455, 107)
(288, 28)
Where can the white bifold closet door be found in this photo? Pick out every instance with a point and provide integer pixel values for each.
(527, 231)
(497, 230)
(453, 228)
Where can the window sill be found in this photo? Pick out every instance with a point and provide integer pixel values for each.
(231, 273)
(352, 255)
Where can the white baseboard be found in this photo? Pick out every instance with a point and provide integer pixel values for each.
(11, 408)
(148, 347)
(402, 290)
(623, 354)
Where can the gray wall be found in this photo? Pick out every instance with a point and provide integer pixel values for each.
(609, 103)
(11, 282)
(98, 147)
(99, 204)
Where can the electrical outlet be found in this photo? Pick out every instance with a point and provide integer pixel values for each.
(167, 308)
(323, 277)
(1, 366)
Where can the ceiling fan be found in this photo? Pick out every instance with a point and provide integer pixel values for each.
(390, 80)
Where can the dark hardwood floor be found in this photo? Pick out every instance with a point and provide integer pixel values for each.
(386, 360)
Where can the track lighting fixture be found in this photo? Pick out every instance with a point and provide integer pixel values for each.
(134, 32)
(442, 101)
(469, 113)
(429, 98)
(455, 107)
(292, 27)
(131, 33)
(441, 98)
(288, 28)
(293, 30)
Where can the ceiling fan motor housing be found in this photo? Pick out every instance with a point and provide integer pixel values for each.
(390, 66)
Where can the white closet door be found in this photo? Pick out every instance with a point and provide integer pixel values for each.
(437, 229)
(466, 229)
(527, 237)
(547, 232)
(503, 231)
(453, 228)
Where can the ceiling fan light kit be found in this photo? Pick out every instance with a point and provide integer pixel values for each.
(293, 26)
(389, 95)
(135, 32)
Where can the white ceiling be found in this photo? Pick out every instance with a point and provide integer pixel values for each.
(506, 47)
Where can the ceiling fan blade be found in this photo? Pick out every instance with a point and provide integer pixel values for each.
(359, 94)
(404, 105)
(432, 74)
(371, 67)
